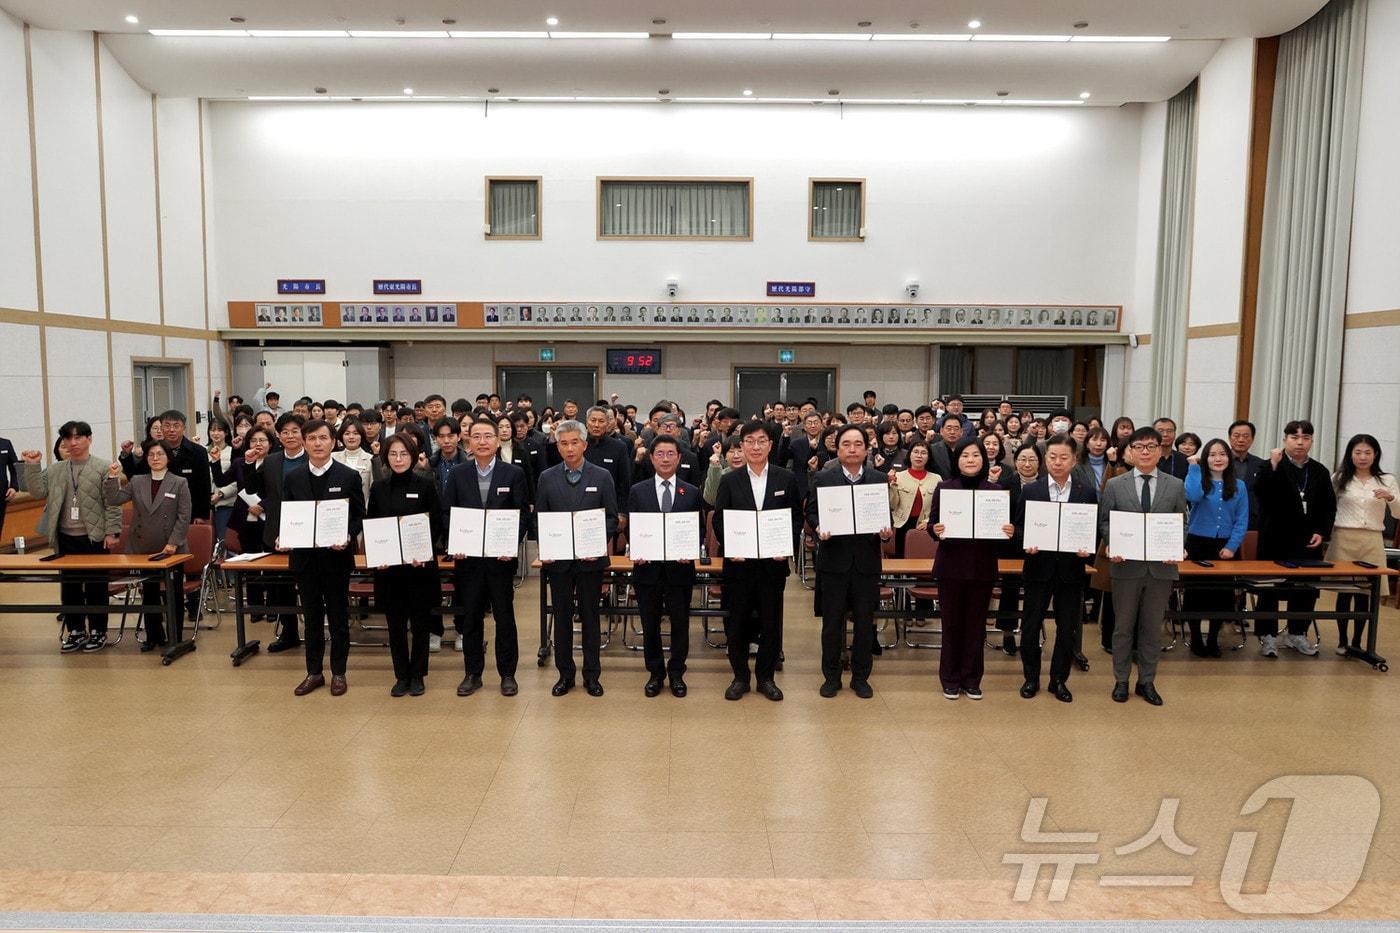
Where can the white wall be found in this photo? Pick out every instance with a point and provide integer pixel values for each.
(128, 157)
(17, 286)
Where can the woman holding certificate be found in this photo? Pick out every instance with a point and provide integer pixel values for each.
(971, 518)
(402, 506)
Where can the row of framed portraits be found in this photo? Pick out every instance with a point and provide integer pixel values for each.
(415, 315)
(298, 315)
(951, 317)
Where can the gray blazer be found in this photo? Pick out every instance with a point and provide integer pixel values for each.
(154, 522)
(1120, 494)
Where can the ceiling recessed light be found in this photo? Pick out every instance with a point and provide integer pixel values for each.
(1084, 95)
(131, 18)
(552, 21)
(974, 24)
(408, 90)
(748, 92)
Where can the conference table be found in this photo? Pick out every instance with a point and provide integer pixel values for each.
(133, 569)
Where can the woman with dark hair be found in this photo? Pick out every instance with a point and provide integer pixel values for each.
(1122, 429)
(1013, 434)
(1219, 519)
(1093, 455)
(130, 456)
(352, 450)
(888, 451)
(966, 570)
(1364, 494)
(911, 493)
(731, 459)
(987, 421)
(1189, 444)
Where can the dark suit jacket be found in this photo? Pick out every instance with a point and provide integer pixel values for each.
(190, 463)
(1284, 528)
(508, 490)
(688, 470)
(800, 450)
(685, 498)
(1174, 464)
(614, 455)
(846, 553)
(593, 491)
(413, 494)
(736, 493)
(339, 482)
(1047, 565)
(940, 459)
(1247, 471)
(959, 558)
(266, 483)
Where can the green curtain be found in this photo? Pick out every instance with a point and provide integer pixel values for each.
(1172, 300)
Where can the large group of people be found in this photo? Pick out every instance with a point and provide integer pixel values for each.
(426, 458)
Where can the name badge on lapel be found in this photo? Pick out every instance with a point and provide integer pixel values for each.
(170, 495)
(502, 490)
(333, 489)
(187, 472)
(410, 495)
(590, 489)
(779, 492)
(607, 459)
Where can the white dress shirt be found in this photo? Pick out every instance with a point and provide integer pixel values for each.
(758, 482)
(659, 490)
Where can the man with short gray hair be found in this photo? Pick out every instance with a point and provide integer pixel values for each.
(607, 450)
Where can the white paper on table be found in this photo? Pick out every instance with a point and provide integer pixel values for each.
(1127, 535)
(416, 538)
(245, 557)
(1079, 527)
(683, 536)
(646, 536)
(298, 524)
(591, 533)
(872, 508)
(740, 533)
(991, 509)
(836, 512)
(251, 498)
(556, 535)
(775, 533)
(332, 522)
(1042, 528)
(466, 531)
(502, 533)
(382, 542)
(955, 512)
(1165, 536)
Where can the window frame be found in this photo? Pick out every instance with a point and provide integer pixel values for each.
(812, 204)
(539, 208)
(598, 202)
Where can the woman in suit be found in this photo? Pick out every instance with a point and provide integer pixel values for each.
(160, 518)
(911, 493)
(966, 570)
(888, 453)
(407, 592)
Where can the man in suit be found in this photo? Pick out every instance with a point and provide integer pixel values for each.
(574, 485)
(848, 570)
(1140, 588)
(756, 586)
(9, 472)
(608, 451)
(188, 460)
(687, 467)
(1057, 575)
(323, 573)
(801, 449)
(487, 482)
(268, 483)
(940, 453)
(1173, 461)
(1247, 465)
(664, 586)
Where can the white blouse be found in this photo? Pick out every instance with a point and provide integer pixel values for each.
(1358, 507)
(361, 461)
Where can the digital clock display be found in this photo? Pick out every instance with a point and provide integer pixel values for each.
(646, 362)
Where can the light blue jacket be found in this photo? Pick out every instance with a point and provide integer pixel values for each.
(1212, 515)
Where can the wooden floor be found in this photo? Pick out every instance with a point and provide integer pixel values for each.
(206, 788)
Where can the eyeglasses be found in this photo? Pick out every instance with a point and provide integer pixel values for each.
(754, 440)
(1144, 448)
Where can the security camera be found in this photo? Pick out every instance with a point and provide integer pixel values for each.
(673, 286)
(911, 289)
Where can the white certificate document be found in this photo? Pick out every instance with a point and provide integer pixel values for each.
(646, 535)
(1127, 535)
(1165, 536)
(556, 535)
(251, 498)
(1042, 528)
(382, 542)
(836, 514)
(465, 531)
(872, 507)
(502, 533)
(415, 539)
(991, 510)
(740, 533)
(298, 525)
(1079, 527)
(955, 512)
(682, 535)
(332, 522)
(775, 533)
(591, 533)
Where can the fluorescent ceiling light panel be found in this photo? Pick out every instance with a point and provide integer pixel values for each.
(914, 37)
(825, 36)
(721, 35)
(201, 33)
(456, 34)
(298, 33)
(398, 34)
(1004, 38)
(1120, 38)
(600, 35)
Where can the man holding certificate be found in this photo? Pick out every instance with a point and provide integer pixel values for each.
(322, 507)
(486, 503)
(758, 520)
(664, 530)
(1057, 519)
(1142, 515)
(576, 507)
(850, 509)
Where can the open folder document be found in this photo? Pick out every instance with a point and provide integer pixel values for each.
(1154, 536)
(979, 513)
(398, 539)
(1061, 526)
(853, 509)
(765, 533)
(483, 532)
(663, 535)
(573, 535)
(323, 523)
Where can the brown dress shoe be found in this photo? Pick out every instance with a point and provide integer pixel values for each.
(338, 685)
(312, 682)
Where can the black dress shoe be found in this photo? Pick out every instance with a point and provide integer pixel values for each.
(735, 690)
(416, 687)
(653, 687)
(509, 687)
(1029, 689)
(678, 688)
(770, 690)
(563, 686)
(594, 688)
(469, 685)
(862, 689)
(1212, 649)
(1149, 693)
(1008, 644)
(400, 688)
(152, 645)
(1081, 662)
(283, 644)
(1120, 692)
(1059, 691)
(1198, 648)
(830, 688)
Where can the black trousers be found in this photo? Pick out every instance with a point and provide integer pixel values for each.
(408, 594)
(325, 601)
(654, 599)
(858, 594)
(483, 584)
(82, 589)
(1108, 619)
(1201, 599)
(1298, 597)
(581, 591)
(964, 605)
(1068, 595)
(749, 595)
(1010, 593)
(151, 592)
(1360, 603)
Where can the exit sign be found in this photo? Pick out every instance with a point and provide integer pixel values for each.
(546, 354)
(786, 356)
